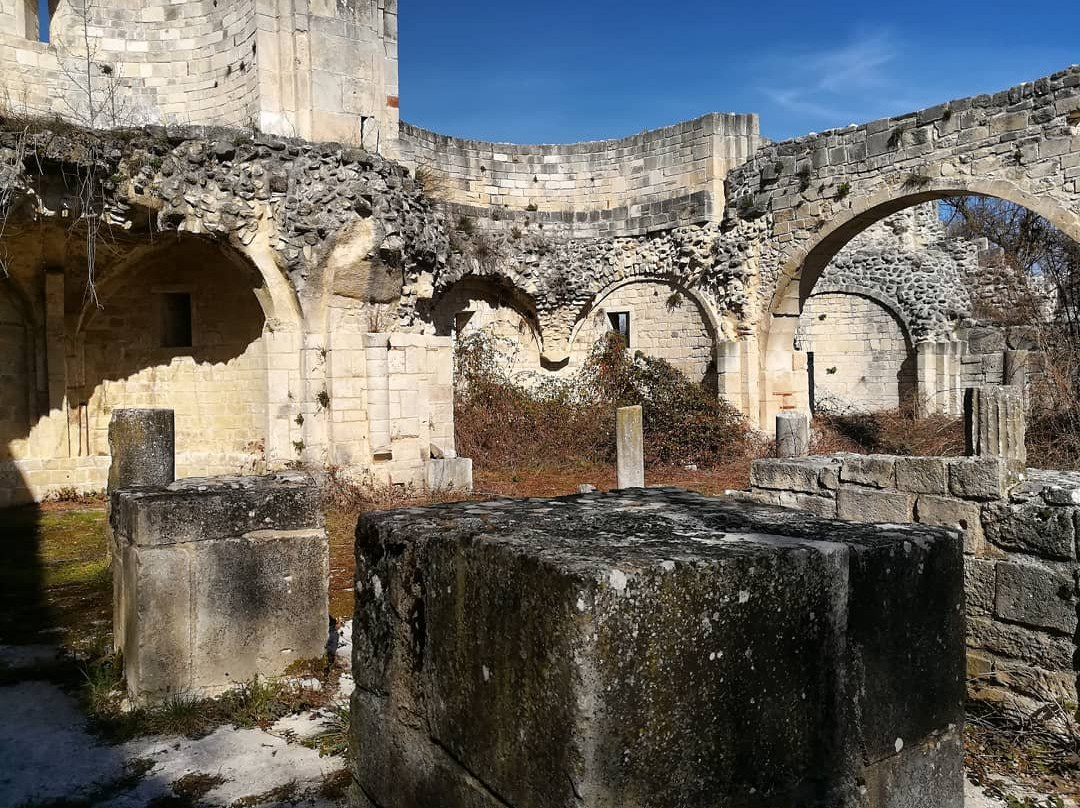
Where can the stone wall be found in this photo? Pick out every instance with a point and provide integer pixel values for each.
(666, 322)
(656, 180)
(863, 359)
(1020, 545)
(326, 70)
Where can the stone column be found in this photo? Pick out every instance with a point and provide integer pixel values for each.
(1016, 369)
(630, 447)
(994, 425)
(792, 434)
(143, 448)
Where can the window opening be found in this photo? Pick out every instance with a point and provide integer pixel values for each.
(620, 323)
(176, 320)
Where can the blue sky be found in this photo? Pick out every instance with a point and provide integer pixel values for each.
(559, 70)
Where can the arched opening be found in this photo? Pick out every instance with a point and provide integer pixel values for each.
(658, 317)
(182, 328)
(503, 317)
(933, 287)
(859, 354)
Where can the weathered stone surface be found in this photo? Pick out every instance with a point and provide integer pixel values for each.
(995, 424)
(1036, 595)
(1046, 530)
(1050, 651)
(449, 474)
(817, 505)
(217, 581)
(922, 475)
(142, 444)
(630, 447)
(957, 514)
(979, 478)
(654, 647)
(980, 585)
(878, 471)
(859, 504)
(792, 434)
(811, 475)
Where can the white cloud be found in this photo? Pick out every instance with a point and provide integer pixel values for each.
(851, 82)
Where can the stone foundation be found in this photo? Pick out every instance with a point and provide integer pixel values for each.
(1020, 552)
(217, 581)
(654, 648)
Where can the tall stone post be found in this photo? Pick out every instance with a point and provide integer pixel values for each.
(994, 425)
(143, 448)
(792, 434)
(630, 447)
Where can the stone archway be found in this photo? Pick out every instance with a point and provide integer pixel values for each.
(783, 381)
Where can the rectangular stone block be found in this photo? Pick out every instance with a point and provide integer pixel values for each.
(958, 514)
(809, 475)
(448, 474)
(216, 581)
(878, 471)
(922, 475)
(1032, 527)
(858, 504)
(1036, 595)
(980, 478)
(654, 647)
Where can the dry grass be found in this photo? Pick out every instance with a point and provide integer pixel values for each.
(895, 432)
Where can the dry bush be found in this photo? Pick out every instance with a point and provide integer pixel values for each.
(572, 422)
(894, 432)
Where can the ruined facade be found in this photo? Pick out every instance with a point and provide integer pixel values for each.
(271, 253)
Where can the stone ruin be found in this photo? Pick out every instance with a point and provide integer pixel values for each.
(654, 647)
(1019, 526)
(215, 580)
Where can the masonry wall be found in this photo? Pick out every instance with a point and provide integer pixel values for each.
(665, 323)
(14, 373)
(1021, 552)
(863, 359)
(117, 358)
(655, 180)
(324, 70)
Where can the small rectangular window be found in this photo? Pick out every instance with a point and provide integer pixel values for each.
(620, 323)
(176, 320)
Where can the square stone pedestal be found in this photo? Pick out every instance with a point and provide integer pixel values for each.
(655, 648)
(216, 581)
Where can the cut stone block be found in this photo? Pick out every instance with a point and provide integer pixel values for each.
(858, 504)
(955, 513)
(1036, 595)
(809, 475)
(878, 471)
(216, 581)
(981, 478)
(1032, 527)
(922, 475)
(792, 434)
(449, 474)
(142, 444)
(630, 447)
(655, 648)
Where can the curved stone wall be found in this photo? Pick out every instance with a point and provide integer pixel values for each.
(655, 180)
(328, 72)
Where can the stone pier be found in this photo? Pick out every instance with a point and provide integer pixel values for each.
(217, 580)
(653, 647)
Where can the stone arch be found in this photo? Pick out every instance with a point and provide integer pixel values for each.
(133, 351)
(490, 305)
(783, 378)
(860, 351)
(803, 266)
(692, 330)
